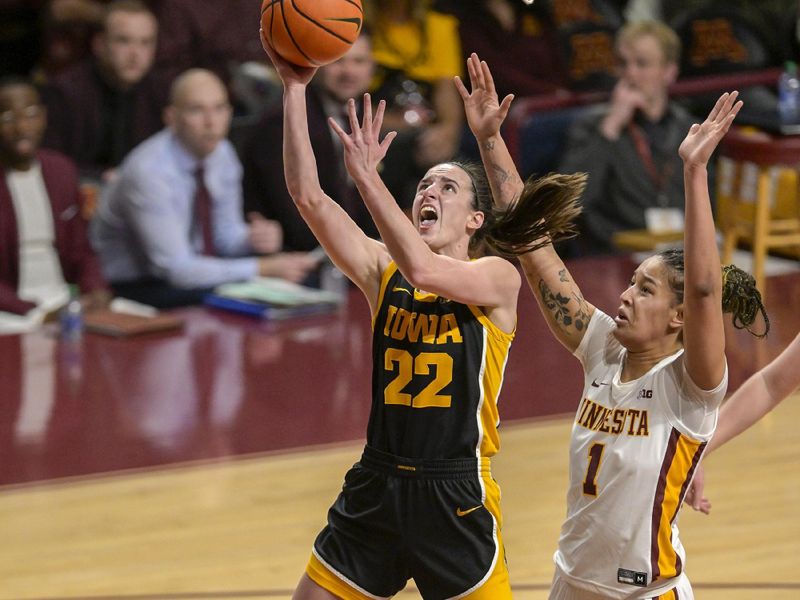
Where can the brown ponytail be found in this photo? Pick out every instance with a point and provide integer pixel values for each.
(544, 213)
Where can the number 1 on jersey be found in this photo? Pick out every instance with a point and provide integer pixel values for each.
(590, 481)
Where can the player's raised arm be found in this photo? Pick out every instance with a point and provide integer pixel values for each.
(359, 257)
(558, 295)
(703, 331)
(485, 115)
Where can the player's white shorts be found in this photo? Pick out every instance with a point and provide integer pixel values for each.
(560, 589)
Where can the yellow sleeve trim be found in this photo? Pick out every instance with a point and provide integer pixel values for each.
(490, 326)
(390, 270)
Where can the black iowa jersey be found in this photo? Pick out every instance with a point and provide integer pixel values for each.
(437, 372)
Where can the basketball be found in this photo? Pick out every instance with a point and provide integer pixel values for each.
(311, 33)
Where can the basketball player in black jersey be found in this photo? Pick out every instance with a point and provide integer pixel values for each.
(421, 502)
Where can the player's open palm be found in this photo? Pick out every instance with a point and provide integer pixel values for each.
(702, 140)
(363, 148)
(485, 113)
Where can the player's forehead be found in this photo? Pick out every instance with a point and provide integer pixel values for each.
(651, 269)
(447, 172)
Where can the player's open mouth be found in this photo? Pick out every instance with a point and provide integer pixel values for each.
(427, 216)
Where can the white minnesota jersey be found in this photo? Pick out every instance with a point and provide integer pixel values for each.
(633, 452)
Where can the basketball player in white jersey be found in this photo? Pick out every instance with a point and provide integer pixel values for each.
(655, 374)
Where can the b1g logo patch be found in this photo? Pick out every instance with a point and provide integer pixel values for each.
(632, 577)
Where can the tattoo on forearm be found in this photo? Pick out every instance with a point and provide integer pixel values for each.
(581, 317)
(502, 176)
(489, 145)
(563, 275)
(559, 306)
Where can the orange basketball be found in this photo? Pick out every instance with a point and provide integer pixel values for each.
(311, 33)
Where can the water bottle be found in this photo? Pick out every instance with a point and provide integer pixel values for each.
(789, 95)
(72, 317)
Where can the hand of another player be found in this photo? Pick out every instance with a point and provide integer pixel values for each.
(694, 495)
(265, 235)
(485, 113)
(702, 140)
(363, 149)
(288, 72)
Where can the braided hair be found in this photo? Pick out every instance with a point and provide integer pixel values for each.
(740, 296)
(545, 212)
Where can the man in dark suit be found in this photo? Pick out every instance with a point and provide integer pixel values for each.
(43, 242)
(104, 106)
(264, 186)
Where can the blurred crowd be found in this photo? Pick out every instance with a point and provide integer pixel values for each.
(141, 139)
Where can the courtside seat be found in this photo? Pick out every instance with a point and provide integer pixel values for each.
(747, 209)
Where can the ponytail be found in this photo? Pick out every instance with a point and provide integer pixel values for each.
(741, 298)
(544, 213)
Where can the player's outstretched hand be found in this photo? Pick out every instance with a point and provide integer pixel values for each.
(700, 142)
(363, 149)
(288, 72)
(485, 113)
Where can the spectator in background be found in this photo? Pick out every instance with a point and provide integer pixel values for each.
(519, 41)
(170, 228)
(629, 147)
(104, 106)
(264, 185)
(417, 51)
(43, 243)
(219, 36)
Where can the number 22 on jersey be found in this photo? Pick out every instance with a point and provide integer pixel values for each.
(407, 366)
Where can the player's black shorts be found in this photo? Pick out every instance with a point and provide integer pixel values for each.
(436, 521)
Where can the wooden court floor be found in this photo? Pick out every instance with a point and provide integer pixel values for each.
(243, 527)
